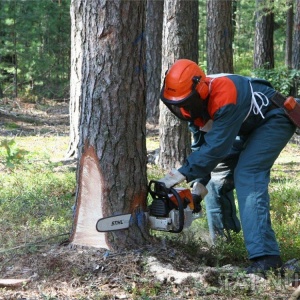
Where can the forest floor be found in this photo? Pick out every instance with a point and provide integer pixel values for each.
(160, 271)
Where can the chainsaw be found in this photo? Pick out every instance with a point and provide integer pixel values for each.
(171, 209)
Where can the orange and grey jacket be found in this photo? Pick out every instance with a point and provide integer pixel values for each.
(237, 105)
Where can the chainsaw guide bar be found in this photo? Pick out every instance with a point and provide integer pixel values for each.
(113, 223)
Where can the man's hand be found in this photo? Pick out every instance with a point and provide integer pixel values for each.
(197, 203)
(199, 191)
(172, 178)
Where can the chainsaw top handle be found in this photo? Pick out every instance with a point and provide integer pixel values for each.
(158, 190)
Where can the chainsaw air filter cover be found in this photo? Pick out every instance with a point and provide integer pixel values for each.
(159, 208)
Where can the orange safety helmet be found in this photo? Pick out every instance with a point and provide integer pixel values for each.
(184, 90)
(180, 78)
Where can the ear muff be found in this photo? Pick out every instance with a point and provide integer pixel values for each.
(202, 89)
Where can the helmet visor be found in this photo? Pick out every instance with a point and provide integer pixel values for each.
(188, 109)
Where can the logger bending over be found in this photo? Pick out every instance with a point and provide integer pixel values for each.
(236, 106)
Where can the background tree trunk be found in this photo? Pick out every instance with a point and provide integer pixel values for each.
(75, 79)
(154, 23)
(219, 36)
(296, 48)
(180, 40)
(289, 33)
(296, 39)
(112, 147)
(264, 40)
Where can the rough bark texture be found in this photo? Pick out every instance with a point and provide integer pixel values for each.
(296, 48)
(289, 33)
(264, 40)
(219, 37)
(154, 22)
(296, 39)
(112, 147)
(180, 40)
(75, 80)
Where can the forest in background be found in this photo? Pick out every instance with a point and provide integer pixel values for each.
(35, 47)
(37, 193)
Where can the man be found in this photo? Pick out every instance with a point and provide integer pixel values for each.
(237, 106)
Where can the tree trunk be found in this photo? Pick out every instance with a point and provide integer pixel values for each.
(296, 40)
(289, 34)
(219, 36)
(153, 37)
(15, 51)
(234, 8)
(112, 146)
(154, 23)
(180, 40)
(264, 40)
(75, 79)
(296, 48)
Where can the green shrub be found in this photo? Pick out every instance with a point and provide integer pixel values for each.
(281, 78)
(12, 155)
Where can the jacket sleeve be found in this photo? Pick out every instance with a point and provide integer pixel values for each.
(197, 136)
(198, 139)
(217, 145)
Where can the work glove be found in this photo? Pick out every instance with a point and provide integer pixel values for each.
(199, 191)
(172, 178)
(197, 203)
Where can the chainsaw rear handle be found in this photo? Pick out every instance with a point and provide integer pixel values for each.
(158, 190)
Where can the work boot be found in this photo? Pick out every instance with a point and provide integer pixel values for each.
(263, 264)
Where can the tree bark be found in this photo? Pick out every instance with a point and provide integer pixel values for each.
(77, 39)
(296, 39)
(112, 146)
(289, 33)
(296, 48)
(219, 36)
(264, 40)
(154, 25)
(180, 40)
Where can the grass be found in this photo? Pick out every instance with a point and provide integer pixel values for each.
(37, 195)
(36, 199)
